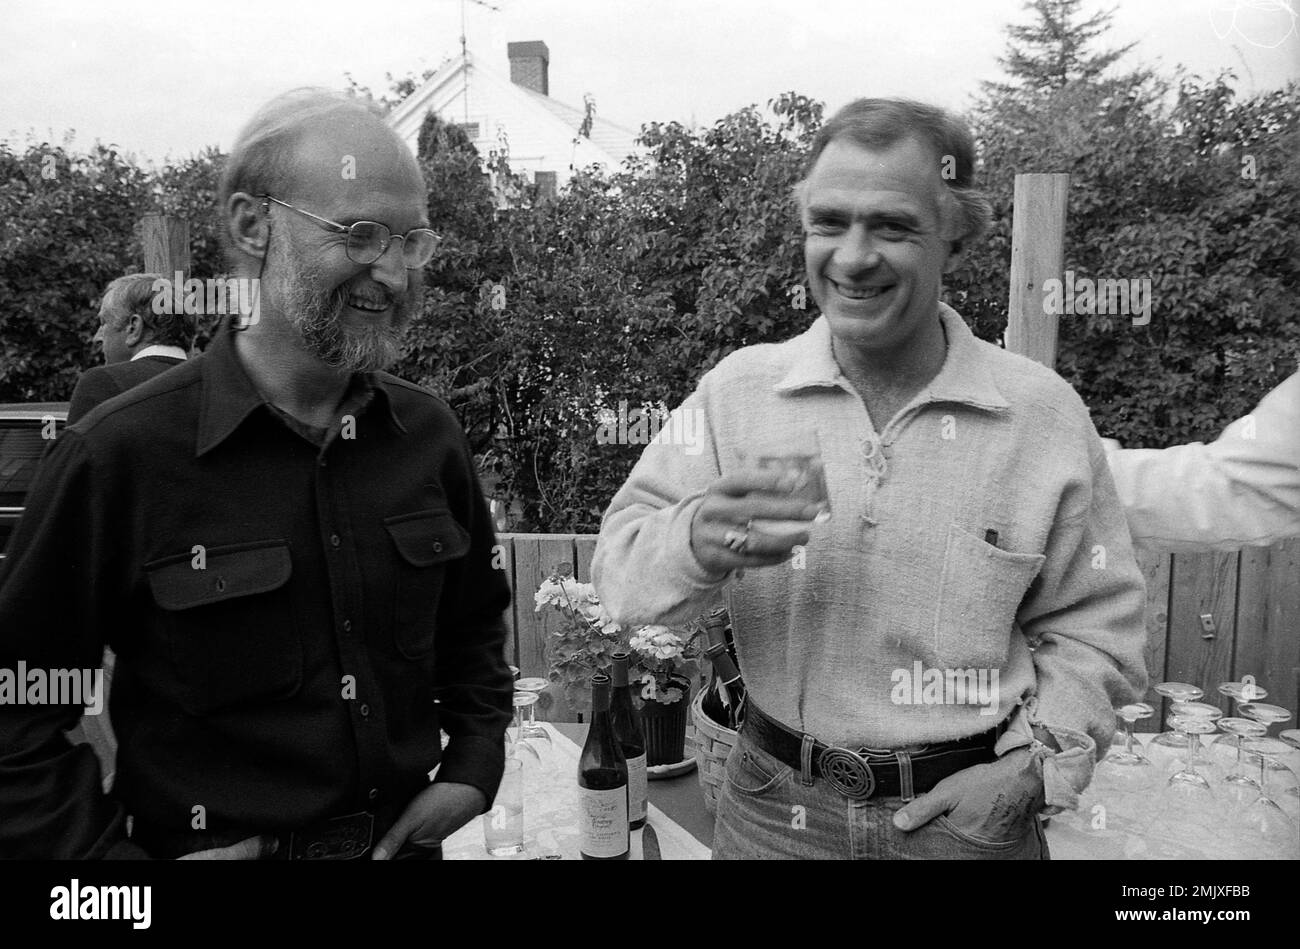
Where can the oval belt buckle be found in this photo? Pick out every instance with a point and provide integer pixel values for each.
(847, 773)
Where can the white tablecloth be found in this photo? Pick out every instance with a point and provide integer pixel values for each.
(1119, 823)
(551, 816)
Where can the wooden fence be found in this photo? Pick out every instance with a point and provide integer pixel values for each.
(1252, 599)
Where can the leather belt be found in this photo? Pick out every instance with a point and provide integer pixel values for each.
(869, 772)
(349, 837)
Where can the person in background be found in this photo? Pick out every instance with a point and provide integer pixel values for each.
(1242, 489)
(287, 548)
(137, 343)
(970, 499)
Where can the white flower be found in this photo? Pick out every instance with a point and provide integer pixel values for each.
(658, 642)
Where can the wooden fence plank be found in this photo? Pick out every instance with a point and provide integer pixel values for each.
(1155, 570)
(585, 545)
(1037, 252)
(1275, 599)
(1199, 584)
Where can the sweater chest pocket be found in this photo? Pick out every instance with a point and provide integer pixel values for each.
(980, 591)
(229, 622)
(428, 544)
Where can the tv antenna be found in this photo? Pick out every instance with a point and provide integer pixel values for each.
(464, 47)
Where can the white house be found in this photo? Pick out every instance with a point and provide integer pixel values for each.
(542, 136)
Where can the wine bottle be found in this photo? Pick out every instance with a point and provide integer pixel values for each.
(727, 685)
(603, 832)
(627, 729)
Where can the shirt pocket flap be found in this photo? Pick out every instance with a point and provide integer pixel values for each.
(428, 538)
(226, 573)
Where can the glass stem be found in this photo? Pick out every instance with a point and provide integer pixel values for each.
(1128, 737)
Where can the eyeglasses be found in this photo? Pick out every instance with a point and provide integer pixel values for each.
(369, 240)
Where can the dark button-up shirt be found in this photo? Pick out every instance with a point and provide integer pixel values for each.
(294, 618)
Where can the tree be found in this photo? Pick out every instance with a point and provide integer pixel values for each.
(1053, 50)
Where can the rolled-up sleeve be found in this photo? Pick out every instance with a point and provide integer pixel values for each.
(1240, 490)
(644, 568)
(1086, 613)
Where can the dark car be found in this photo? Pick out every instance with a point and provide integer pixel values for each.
(26, 430)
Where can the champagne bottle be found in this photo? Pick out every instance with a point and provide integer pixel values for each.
(627, 729)
(603, 832)
(727, 687)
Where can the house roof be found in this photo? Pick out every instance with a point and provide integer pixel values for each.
(613, 141)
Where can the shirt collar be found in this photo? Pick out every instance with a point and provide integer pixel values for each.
(229, 396)
(965, 376)
(157, 350)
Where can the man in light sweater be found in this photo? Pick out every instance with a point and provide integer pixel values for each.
(937, 664)
(1243, 489)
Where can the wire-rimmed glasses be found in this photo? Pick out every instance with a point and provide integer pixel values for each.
(369, 240)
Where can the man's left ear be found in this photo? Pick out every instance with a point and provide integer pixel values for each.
(134, 330)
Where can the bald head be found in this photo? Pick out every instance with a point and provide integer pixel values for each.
(309, 138)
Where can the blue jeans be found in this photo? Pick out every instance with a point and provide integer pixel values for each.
(767, 812)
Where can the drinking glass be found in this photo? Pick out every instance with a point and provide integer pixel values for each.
(503, 825)
(1292, 737)
(1268, 715)
(1176, 692)
(1238, 729)
(1239, 692)
(799, 454)
(1125, 765)
(1193, 726)
(1265, 815)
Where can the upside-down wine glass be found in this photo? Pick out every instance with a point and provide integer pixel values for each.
(1178, 693)
(1239, 692)
(1264, 814)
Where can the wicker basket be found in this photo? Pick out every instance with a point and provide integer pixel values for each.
(713, 742)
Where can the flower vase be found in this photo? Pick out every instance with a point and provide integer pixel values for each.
(665, 725)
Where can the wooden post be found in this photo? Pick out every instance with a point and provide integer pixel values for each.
(166, 242)
(1037, 254)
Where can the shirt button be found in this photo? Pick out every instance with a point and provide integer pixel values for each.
(437, 546)
(347, 626)
(365, 710)
(374, 794)
(334, 540)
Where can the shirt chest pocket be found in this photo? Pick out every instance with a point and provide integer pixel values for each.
(427, 543)
(980, 591)
(228, 618)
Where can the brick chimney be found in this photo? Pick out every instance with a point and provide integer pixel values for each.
(530, 65)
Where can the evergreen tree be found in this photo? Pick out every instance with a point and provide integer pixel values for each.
(1053, 51)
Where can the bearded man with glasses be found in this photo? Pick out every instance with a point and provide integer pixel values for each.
(287, 548)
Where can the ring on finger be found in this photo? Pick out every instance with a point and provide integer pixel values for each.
(736, 540)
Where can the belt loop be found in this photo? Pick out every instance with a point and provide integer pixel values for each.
(805, 760)
(906, 791)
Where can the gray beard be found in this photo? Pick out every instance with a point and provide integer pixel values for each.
(318, 318)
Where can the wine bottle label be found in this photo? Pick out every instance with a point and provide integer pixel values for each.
(602, 822)
(637, 787)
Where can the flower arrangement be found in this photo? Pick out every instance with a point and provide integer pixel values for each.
(662, 655)
(587, 638)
